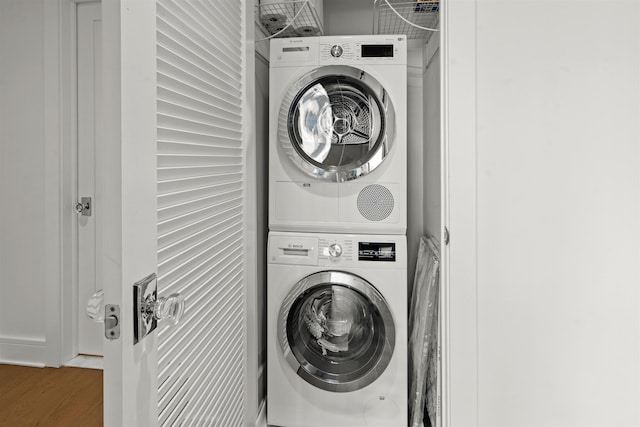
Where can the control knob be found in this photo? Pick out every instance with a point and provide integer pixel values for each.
(335, 250)
(336, 51)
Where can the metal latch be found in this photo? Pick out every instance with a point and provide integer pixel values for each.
(112, 322)
(446, 236)
(84, 206)
(109, 315)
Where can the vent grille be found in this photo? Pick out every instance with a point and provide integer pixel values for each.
(375, 202)
(200, 210)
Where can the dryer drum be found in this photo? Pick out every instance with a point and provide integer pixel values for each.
(339, 333)
(336, 123)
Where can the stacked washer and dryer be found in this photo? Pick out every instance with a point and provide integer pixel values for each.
(337, 255)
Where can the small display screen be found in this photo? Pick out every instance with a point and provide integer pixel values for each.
(371, 251)
(377, 51)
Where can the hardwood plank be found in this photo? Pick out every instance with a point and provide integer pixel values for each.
(50, 397)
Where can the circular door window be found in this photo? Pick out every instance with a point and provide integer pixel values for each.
(336, 123)
(336, 331)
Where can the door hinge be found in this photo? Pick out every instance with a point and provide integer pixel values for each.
(112, 321)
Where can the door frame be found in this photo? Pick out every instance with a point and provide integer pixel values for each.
(254, 410)
(458, 299)
(89, 112)
(61, 246)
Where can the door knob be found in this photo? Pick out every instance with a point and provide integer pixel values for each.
(95, 307)
(148, 309)
(169, 309)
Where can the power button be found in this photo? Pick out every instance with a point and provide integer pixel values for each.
(336, 51)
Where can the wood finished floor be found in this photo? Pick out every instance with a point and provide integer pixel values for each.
(50, 397)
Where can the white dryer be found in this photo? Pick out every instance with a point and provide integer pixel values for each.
(338, 134)
(336, 330)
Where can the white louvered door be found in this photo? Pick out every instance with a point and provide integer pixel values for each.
(200, 210)
(174, 84)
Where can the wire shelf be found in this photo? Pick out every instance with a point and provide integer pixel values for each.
(423, 13)
(288, 19)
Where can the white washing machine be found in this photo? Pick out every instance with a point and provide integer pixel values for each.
(338, 134)
(336, 330)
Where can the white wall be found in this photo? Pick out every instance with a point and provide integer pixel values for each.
(415, 148)
(22, 223)
(431, 154)
(347, 17)
(554, 300)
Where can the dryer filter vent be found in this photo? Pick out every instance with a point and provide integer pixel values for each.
(375, 202)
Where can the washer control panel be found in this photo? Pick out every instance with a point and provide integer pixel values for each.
(337, 250)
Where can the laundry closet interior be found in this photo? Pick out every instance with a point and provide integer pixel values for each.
(521, 151)
(317, 220)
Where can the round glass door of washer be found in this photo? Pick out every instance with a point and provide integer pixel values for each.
(336, 123)
(336, 331)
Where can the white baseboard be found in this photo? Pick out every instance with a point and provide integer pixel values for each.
(261, 421)
(22, 351)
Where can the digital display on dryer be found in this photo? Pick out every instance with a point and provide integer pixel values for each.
(372, 251)
(377, 51)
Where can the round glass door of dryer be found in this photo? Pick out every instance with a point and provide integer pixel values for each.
(336, 331)
(337, 123)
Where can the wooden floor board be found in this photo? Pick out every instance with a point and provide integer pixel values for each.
(50, 397)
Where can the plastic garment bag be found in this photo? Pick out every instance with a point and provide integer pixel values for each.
(423, 334)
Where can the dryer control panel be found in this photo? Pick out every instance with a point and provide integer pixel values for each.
(343, 50)
(370, 50)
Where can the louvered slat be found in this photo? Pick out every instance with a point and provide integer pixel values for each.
(211, 360)
(203, 112)
(192, 86)
(200, 298)
(206, 359)
(209, 202)
(200, 210)
(191, 272)
(216, 29)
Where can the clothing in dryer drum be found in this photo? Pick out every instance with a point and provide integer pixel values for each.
(336, 331)
(336, 123)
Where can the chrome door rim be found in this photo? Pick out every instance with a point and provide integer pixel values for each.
(351, 171)
(307, 371)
